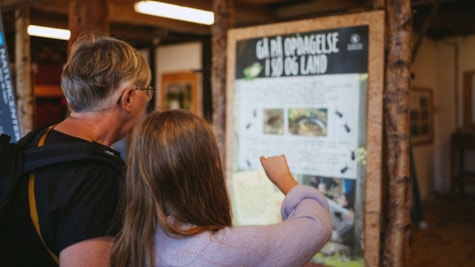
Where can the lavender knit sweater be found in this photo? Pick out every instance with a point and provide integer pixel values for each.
(304, 231)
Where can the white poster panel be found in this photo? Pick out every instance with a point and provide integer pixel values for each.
(310, 90)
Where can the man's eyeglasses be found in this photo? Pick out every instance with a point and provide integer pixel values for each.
(148, 90)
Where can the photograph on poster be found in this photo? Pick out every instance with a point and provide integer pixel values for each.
(308, 121)
(274, 121)
(340, 195)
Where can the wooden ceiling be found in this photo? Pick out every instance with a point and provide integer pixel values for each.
(452, 17)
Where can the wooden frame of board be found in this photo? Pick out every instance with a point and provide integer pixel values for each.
(374, 108)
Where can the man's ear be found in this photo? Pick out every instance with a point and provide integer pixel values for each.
(126, 99)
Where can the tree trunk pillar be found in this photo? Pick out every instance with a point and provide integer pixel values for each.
(223, 12)
(24, 83)
(396, 117)
(88, 16)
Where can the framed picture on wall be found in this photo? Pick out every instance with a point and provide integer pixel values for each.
(180, 90)
(421, 115)
(469, 99)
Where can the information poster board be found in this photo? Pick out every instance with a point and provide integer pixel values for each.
(8, 113)
(311, 90)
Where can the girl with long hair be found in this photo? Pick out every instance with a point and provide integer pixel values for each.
(177, 210)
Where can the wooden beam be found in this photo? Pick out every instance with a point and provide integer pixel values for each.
(48, 19)
(119, 12)
(378, 4)
(319, 8)
(127, 14)
(415, 3)
(251, 14)
(200, 4)
(13, 4)
(425, 27)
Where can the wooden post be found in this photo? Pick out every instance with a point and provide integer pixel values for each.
(88, 16)
(24, 84)
(396, 117)
(223, 13)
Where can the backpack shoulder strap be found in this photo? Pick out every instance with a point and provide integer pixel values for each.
(32, 203)
(50, 154)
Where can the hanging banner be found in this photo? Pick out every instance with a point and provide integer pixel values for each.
(9, 123)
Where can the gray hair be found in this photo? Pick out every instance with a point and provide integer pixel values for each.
(96, 67)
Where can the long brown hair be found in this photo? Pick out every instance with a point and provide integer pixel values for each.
(174, 170)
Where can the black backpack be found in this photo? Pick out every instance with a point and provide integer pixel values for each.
(17, 159)
(23, 157)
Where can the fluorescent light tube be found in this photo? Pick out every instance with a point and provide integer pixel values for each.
(189, 14)
(48, 32)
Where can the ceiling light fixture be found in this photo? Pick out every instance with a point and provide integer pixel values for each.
(47, 32)
(165, 10)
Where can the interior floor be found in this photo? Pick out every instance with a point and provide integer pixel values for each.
(449, 238)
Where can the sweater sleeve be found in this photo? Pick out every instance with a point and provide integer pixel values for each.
(305, 229)
(297, 195)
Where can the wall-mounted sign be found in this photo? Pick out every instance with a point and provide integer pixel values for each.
(311, 90)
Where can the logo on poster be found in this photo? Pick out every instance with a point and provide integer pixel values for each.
(355, 43)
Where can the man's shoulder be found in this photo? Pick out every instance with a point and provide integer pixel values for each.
(61, 148)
